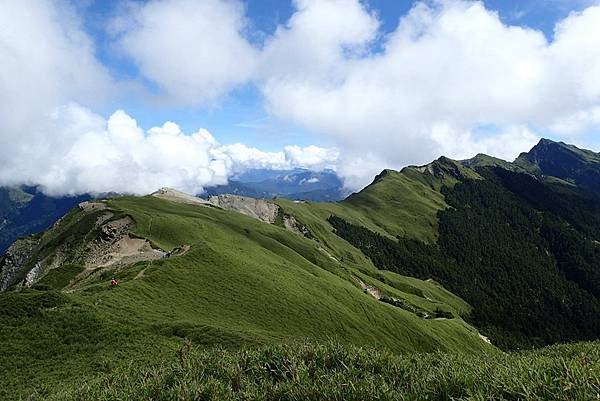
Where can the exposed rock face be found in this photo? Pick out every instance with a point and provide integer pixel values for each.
(107, 243)
(258, 208)
(14, 262)
(174, 195)
(33, 275)
(114, 246)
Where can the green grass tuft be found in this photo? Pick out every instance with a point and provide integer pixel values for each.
(334, 371)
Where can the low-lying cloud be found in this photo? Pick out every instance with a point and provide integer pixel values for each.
(48, 139)
(83, 152)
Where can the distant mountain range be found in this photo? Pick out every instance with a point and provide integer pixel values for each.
(25, 210)
(296, 184)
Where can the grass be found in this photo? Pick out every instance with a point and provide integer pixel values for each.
(48, 340)
(400, 205)
(335, 371)
(253, 311)
(243, 283)
(61, 276)
(397, 203)
(244, 276)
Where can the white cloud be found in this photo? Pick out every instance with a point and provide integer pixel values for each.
(48, 69)
(83, 152)
(578, 122)
(193, 50)
(310, 157)
(46, 60)
(317, 38)
(505, 144)
(312, 180)
(448, 68)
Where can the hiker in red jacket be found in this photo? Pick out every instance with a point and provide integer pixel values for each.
(114, 282)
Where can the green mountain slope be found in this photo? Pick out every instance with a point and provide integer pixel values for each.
(227, 280)
(521, 248)
(402, 203)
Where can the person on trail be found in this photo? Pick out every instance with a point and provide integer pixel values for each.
(114, 282)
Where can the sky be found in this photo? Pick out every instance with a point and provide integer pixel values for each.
(128, 96)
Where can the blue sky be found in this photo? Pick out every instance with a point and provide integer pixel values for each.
(240, 116)
(186, 93)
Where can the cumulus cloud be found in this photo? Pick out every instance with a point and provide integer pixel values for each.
(406, 97)
(316, 40)
(85, 153)
(448, 68)
(46, 60)
(194, 51)
(49, 69)
(82, 152)
(310, 157)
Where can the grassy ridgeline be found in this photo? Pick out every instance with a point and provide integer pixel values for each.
(333, 371)
(241, 283)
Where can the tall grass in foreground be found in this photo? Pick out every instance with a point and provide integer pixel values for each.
(339, 372)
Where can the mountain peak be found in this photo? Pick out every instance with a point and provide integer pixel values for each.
(546, 141)
(384, 173)
(565, 162)
(546, 150)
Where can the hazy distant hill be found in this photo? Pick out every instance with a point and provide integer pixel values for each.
(24, 211)
(297, 184)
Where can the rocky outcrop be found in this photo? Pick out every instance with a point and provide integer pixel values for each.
(107, 243)
(114, 246)
(89, 206)
(14, 262)
(260, 209)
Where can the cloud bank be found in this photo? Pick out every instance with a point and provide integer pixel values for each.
(85, 153)
(447, 72)
(48, 139)
(451, 79)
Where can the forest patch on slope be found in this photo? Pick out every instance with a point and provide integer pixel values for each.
(528, 268)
